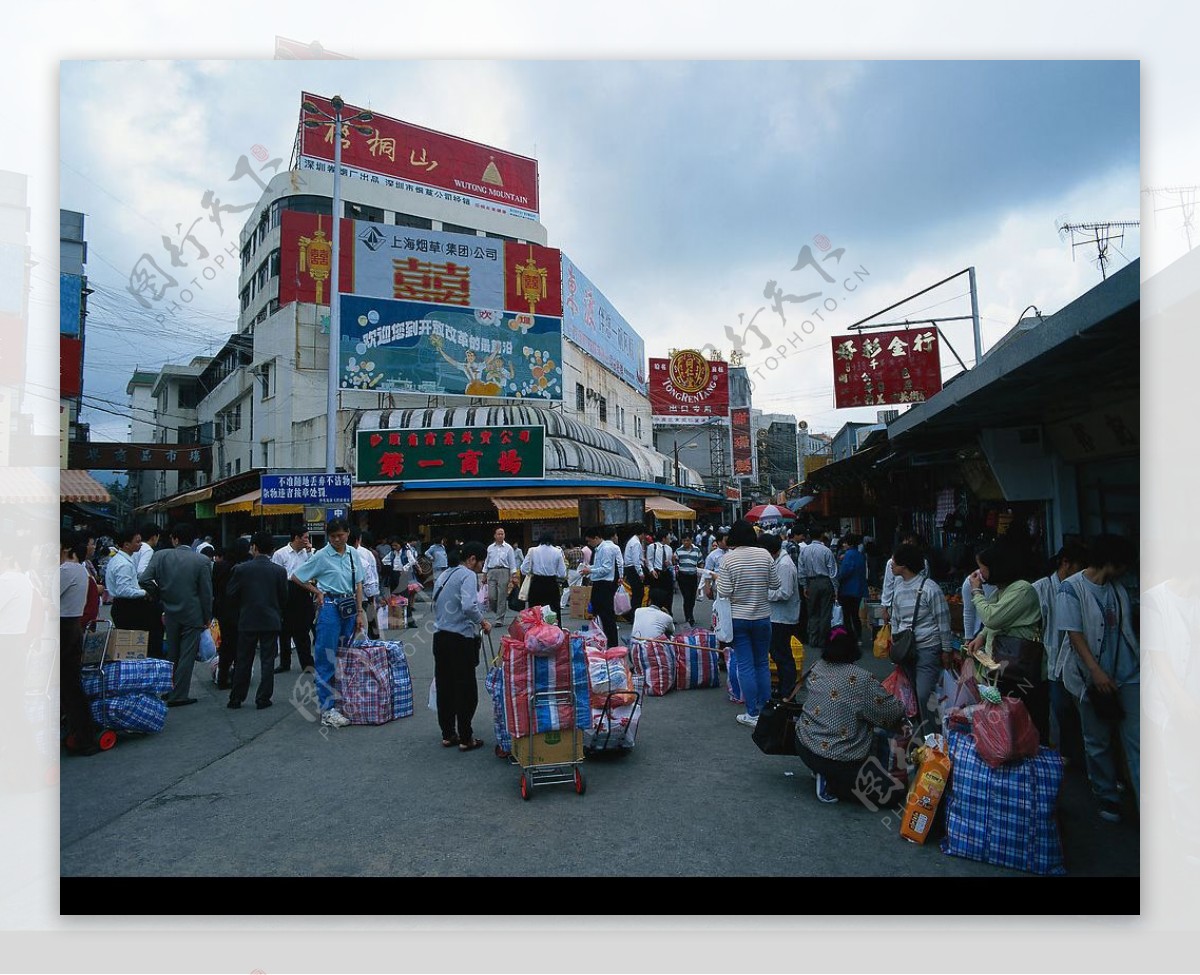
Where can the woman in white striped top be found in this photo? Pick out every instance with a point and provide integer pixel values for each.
(747, 572)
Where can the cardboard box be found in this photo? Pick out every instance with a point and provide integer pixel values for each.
(129, 645)
(549, 747)
(578, 604)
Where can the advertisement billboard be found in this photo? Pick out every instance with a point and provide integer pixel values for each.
(592, 323)
(688, 388)
(306, 257)
(424, 162)
(880, 368)
(743, 442)
(447, 350)
(314, 490)
(451, 453)
(70, 304)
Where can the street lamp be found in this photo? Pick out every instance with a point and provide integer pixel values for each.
(690, 442)
(318, 118)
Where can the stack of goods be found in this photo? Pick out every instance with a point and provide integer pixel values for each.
(374, 682)
(616, 711)
(124, 695)
(528, 675)
(1004, 816)
(696, 660)
(654, 660)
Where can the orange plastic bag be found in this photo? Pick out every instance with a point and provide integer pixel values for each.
(883, 640)
(1004, 733)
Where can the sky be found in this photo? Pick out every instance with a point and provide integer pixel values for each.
(679, 187)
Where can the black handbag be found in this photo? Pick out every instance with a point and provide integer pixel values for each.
(775, 733)
(347, 606)
(1020, 660)
(904, 643)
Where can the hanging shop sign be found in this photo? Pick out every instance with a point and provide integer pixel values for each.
(881, 368)
(688, 388)
(93, 456)
(451, 454)
(743, 447)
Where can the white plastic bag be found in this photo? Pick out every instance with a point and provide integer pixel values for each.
(208, 646)
(838, 618)
(723, 615)
(433, 695)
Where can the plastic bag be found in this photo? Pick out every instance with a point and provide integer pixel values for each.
(544, 639)
(883, 640)
(433, 696)
(622, 602)
(900, 687)
(1004, 732)
(482, 597)
(723, 619)
(837, 616)
(208, 646)
(215, 629)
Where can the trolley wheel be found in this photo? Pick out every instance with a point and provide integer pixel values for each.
(107, 740)
(500, 752)
(580, 785)
(526, 787)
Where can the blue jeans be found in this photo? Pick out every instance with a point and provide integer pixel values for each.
(1100, 747)
(752, 651)
(331, 630)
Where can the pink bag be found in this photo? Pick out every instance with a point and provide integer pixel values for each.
(526, 619)
(621, 601)
(900, 687)
(544, 639)
(1004, 733)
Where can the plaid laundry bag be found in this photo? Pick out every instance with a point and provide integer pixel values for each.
(655, 661)
(402, 689)
(695, 662)
(364, 683)
(1004, 816)
(494, 683)
(144, 713)
(148, 676)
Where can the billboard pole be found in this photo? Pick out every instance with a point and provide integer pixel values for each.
(335, 323)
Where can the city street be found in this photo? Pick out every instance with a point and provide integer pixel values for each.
(265, 793)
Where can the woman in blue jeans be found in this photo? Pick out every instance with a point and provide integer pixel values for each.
(746, 574)
(919, 605)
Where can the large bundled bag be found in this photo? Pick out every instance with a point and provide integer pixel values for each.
(526, 619)
(144, 713)
(1004, 816)
(609, 677)
(900, 687)
(1004, 732)
(544, 639)
(148, 676)
(655, 661)
(364, 682)
(528, 675)
(696, 664)
(402, 688)
(613, 727)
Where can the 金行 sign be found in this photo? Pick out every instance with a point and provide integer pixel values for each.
(881, 368)
(316, 490)
(688, 388)
(451, 454)
(421, 161)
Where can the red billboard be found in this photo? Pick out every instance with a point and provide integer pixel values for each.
(743, 448)
(688, 388)
(882, 368)
(433, 163)
(306, 257)
(70, 367)
(532, 279)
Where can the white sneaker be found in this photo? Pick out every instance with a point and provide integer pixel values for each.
(747, 720)
(334, 718)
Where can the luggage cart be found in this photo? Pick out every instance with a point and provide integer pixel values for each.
(608, 733)
(550, 757)
(99, 638)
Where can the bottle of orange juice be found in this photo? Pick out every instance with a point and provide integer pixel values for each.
(926, 793)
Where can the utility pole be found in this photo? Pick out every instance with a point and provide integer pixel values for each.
(1099, 235)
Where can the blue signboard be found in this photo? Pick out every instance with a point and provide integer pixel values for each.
(70, 294)
(316, 490)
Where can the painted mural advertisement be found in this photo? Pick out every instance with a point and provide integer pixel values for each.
(592, 323)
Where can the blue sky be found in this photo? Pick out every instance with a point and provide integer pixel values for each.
(679, 187)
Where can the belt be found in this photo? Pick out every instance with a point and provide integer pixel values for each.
(338, 595)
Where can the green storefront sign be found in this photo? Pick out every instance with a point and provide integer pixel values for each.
(451, 454)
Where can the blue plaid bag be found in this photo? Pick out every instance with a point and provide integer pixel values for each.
(147, 676)
(494, 682)
(130, 712)
(402, 689)
(1004, 816)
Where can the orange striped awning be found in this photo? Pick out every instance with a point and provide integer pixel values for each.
(249, 503)
(370, 497)
(666, 508)
(534, 509)
(79, 486)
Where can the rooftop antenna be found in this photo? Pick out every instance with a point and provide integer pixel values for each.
(1099, 235)
(1186, 204)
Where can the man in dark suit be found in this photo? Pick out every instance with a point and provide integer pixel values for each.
(184, 580)
(257, 592)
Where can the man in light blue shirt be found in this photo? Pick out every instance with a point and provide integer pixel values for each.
(437, 555)
(603, 574)
(458, 618)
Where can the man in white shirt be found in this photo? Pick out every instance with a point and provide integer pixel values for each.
(298, 613)
(659, 576)
(603, 573)
(149, 533)
(712, 563)
(651, 623)
(635, 568)
(370, 582)
(120, 579)
(500, 567)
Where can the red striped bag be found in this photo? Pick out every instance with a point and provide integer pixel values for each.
(655, 661)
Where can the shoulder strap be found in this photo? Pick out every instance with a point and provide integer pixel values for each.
(912, 624)
(446, 577)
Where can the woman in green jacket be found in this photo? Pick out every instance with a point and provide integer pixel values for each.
(1012, 611)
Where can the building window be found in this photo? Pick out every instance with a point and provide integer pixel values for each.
(408, 220)
(456, 228)
(266, 378)
(637, 426)
(501, 237)
(308, 204)
(603, 410)
(579, 397)
(273, 263)
(245, 296)
(247, 252)
(237, 465)
(268, 448)
(360, 211)
(189, 396)
(272, 306)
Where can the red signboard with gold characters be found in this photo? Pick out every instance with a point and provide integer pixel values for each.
(688, 388)
(883, 368)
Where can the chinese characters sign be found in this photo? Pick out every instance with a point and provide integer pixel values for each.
(688, 388)
(139, 457)
(451, 454)
(424, 162)
(592, 323)
(446, 350)
(306, 257)
(315, 490)
(880, 368)
(743, 447)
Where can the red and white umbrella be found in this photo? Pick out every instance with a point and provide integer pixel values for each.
(767, 511)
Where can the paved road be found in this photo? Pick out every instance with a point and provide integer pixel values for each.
(245, 792)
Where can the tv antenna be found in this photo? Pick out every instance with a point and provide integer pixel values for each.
(1099, 235)
(1186, 205)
